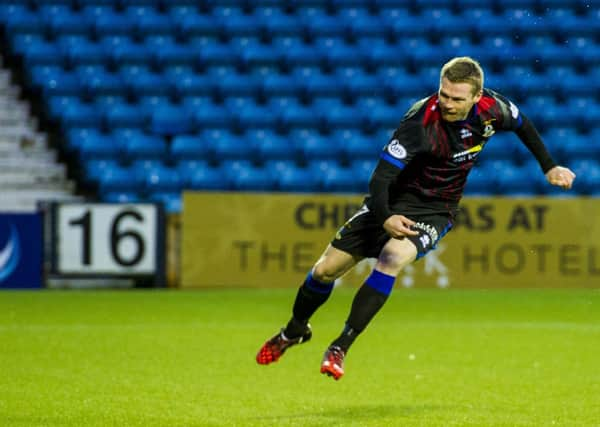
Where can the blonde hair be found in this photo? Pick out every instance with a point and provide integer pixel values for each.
(464, 69)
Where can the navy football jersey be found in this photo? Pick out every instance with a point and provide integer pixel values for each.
(434, 156)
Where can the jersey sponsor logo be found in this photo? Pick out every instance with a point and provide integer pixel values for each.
(514, 111)
(472, 150)
(465, 133)
(396, 149)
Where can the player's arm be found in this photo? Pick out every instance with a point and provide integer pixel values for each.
(555, 174)
(404, 146)
(384, 174)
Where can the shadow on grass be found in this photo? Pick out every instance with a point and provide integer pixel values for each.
(347, 414)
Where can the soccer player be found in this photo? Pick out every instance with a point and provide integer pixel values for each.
(414, 193)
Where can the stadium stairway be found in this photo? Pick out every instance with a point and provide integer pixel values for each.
(29, 170)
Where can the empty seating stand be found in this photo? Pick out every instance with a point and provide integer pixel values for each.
(198, 86)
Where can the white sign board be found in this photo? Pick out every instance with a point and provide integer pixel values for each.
(107, 238)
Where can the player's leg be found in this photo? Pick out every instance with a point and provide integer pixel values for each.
(313, 293)
(372, 295)
(393, 257)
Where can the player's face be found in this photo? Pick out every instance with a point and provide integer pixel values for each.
(456, 100)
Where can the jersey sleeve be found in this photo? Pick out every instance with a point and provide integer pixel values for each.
(510, 118)
(404, 145)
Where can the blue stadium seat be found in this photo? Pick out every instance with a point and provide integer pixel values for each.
(214, 53)
(171, 202)
(122, 51)
(142, 146)
(314, 83)
(163, 180)
(80, 115)
(189, 147)
(66, 22)
(41, 53)
(120, 197)
(118, 180)
(360, 23)
(93, 169)
(316, 23)
(297, 180)
(191, 85)
(196, 24)
(232, 83)
(223, 144)
(212, 116)
(588, 176)
(18, 19)
(187, 166)
(335, 52)
(151, 103)
(356, 145)
(252, 179)
(254, 54)
(148, 21)
(96, 147)
(480, 182)
(298, 116)
(175, 54)
(146, 83)
(268, 145)
(311, 145)
(401, 22)
(102, 83)
(112, 23)
(280, 85)
(363, 168)
(275, 23)
(170, 120)
(302, 54)
(252, 116)
(208, 179)
(124, 116)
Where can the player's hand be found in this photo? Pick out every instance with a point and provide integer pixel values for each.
(398, 226)
(560, 176)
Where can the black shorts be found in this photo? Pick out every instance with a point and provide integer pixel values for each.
(363, 236)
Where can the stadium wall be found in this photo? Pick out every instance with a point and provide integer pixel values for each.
(271, 240)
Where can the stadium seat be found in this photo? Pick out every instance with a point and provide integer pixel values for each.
(311, 145)
(170, 120)
(124, 116)
(120, 197)
(171, 202)
(163, 180)
(118, 179)
(189, 147)
(266, 145)
(297, 179)
(208, 179)
(141, 146)
(251, 179)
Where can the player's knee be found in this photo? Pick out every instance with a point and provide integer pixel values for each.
(393, 261)
(324, 273)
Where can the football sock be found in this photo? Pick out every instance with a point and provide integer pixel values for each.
(311, 295)
(368, 300)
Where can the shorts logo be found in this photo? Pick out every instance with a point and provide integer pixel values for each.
(396, 149)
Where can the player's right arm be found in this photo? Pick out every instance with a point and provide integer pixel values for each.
(394, 157)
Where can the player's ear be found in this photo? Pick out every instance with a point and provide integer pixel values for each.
(478, 96)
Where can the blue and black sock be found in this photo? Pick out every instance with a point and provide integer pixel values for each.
(311, 295)
(367, 302)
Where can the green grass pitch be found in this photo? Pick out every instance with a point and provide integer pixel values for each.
(186, 358)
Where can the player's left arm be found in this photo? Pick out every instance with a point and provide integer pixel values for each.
(556, 175)
(513, 119)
